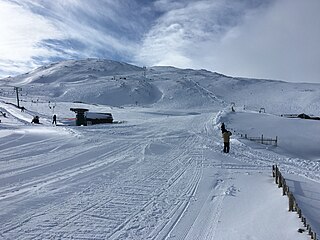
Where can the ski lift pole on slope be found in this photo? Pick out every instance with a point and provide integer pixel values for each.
(17, 89)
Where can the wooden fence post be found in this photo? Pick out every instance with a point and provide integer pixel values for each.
(291, 201)
(280, 180)
(273, 171)
(310, 230)
(284, 187)
(293, 205)
(262, 138)
(304, 220)
(299, 212)
(276, 140)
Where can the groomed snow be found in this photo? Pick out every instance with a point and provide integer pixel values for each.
(159, 171)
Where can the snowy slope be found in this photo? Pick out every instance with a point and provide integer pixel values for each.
(159, 172)
(119, 84)
(92, 81)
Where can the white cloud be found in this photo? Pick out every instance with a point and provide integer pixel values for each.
(20, 31)
(169, 5)
(281, 42)
(186, 28)
(275, 39)
(37, 32)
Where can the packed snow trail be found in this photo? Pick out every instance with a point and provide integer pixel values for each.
(156, 179)
(79, 167)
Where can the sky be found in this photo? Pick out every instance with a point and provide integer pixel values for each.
(271, 39)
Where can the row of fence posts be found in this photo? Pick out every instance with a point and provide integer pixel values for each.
(293, 205)
(262, 140)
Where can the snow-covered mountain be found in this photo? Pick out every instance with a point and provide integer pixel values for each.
(118, 84)
(159, 171)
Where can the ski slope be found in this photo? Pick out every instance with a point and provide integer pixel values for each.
(158, 172)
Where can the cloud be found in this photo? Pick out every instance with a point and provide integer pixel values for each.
(39, 31)
(280, 42)
(275, 39)
(260, 39)
(187, 26)
(16, 41)
(169, 5)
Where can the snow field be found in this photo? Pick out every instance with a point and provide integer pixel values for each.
(146, 180)
(160, 173)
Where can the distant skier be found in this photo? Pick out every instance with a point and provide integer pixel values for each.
(35, 120)
(54, 119)
(226, 141)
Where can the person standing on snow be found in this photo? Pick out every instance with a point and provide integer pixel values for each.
(54, 119)
(226, 141)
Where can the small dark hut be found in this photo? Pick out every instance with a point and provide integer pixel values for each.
(84, 117)
(98, 118)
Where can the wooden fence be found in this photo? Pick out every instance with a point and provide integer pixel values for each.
(293, 205)
(262, 139)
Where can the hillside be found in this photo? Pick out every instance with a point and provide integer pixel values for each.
(159, 171)
(118, 84)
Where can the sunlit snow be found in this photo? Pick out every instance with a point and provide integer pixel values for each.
(157, 172)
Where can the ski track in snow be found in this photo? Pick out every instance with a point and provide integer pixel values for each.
(164, 178)
(148, 193)
(130, 207)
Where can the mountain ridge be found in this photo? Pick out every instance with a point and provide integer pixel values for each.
(108, 82)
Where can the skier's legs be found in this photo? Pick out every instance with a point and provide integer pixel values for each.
(225, 145)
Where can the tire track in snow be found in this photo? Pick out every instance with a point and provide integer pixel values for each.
(30, 150)
(15, 137)
(180, 165)
(154, 179)
(204, 226)
(129, 151)
(60, 174)
(153, 199)
(174, 216)
(67, 215)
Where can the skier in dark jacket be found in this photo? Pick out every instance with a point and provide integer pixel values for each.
(54, 119)
(35, 120)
